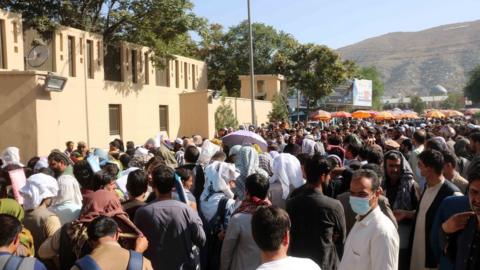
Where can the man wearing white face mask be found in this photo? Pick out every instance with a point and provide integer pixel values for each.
(373, 242)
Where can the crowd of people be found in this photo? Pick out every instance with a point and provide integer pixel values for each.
(355, 195)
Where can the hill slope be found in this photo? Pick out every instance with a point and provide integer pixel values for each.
(414, 62)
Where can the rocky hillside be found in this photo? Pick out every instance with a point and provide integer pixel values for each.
(414, 62)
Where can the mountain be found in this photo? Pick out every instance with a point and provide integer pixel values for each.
(412, 63)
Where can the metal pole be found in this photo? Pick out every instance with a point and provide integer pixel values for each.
(252, 76)
(298, 105)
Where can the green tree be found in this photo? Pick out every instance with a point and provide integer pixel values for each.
(162, 25)
(316, 71)
(227, 53)
(224, 116)
(472, 89)
(454, 101)
(378, 87)
(279, 109)
(417, 104)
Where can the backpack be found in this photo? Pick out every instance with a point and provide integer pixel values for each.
(11, 262)
(213, 245)
(88, 263)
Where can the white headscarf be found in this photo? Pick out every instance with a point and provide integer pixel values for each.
(217, 176)
(207, 151)
(38, 187)
(287, 170)
(68, 191)
(247, 163)
(41, 164)
(308, 146)
(11, 155)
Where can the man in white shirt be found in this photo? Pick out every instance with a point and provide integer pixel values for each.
(271, 232)
(373, 242)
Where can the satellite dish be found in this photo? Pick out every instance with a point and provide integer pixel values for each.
(37, 56)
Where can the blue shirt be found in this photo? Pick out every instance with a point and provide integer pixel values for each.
(38, 265)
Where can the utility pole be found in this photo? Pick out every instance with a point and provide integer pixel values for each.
(252, 76)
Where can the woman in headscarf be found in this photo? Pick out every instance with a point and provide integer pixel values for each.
(247, 163)
(72, 239)
(233, 153)
(68, 203)
(218, 182)
(287, 176)
(219, 178)
(38, 193)
(308, 145)
(13, 208)
(11, 156)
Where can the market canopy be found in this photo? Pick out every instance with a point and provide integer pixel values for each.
(320, 115)
(361, 114)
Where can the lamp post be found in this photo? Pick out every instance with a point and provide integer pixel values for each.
(252, 76)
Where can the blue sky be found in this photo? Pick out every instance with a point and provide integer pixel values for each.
(337, 23)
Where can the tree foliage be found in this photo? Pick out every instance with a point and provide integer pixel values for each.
(224, 116)
(279, 109)
(472, 89)
(162, 25)
(227, 53)
(454, 101)
(417, 104)
(378, 87)
(316, 71)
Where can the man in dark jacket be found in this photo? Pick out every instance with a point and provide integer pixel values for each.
(318, 222)
(431, 165)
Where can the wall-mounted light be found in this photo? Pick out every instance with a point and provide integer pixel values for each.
(55, 83)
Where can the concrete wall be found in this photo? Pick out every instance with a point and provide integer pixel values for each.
(242, 108)
(18, 124)
(198, 112)
(13, 40)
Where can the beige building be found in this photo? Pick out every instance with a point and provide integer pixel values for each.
(113, 92)
(266, 86)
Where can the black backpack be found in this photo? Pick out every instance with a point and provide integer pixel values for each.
(213, 245)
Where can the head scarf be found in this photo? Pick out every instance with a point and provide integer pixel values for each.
(38, 187)
(287, 170)
(11, 156)
(13, 208)
(99, 203)
(102, 156)
(403, 199)
(250, 205)
(247, 163)
(41, 164)
(68, 191)
(308, 146)
(274, 154)
(234, 150)
(217, 176)
(337, 159)
(168, 156)
(208, 150)
(265, 162)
